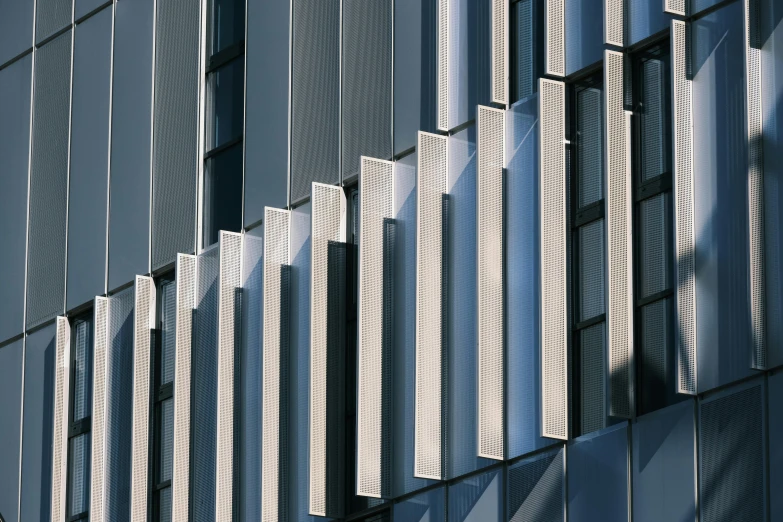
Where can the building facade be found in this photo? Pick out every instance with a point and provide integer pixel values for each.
(374, 260)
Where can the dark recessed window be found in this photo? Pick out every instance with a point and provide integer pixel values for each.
(223, 193)
(226, 88)
(79, 417)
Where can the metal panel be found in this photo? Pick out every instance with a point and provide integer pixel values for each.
(775, 438)
(176, 129)
(499, 49)
(48, 205)
(62, 379)
(266, 111)
(315, 84)
(431, 313)
(327, 289)
(376, 266)
(619, 207)
(143, 324)
(11, 367)
(687, 372)
(554, 29)
(755, 183)
(554, 273)
(229, 310)
(89, 168)
(15, 87)
(186, 295)
(614, 22)
(131, 127)
(444, 56)
(732, 455)
(676, 7)
(275, 377)
(536, 488)
(16, 28)
(367, 82)
(490, 247)
(99, 407)
(51, 16)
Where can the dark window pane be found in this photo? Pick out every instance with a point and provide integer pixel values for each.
(524, 70)
(591, 342)
(591, 270)
(227, 24)
(82, 370)
(656, 336)
(79, 475)
(655, 249)
(166, 440)
(589, 142)
(165, 505)
(168, 293)
(223, 194)
(653, 119)
(226, 103)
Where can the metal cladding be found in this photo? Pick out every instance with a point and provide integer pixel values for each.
(99, 407)
(499, 45)
(555, 48)
(62, 380)
(376, 258)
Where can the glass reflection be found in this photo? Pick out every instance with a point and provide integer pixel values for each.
(226, 87)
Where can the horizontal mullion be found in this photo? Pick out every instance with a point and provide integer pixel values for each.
(228, 54)
(220, 148)
(587, 323)
(588, 214)
(655, 186)
(163, 485)
(663, 294)
(84, 515)
(166, 391)
(79, 427)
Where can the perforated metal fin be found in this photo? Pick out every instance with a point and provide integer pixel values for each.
(274, 380)
(229, 313)
(376, 257)
(443, 63)
(499, 46)
(555, 37)
(431, 356)
(327, 350)
(143, 326)
(687, 370)
(62, 383)
(185, 303)
(676, 7)
(554, 273)
(491, 355)
(619, 208)
(614, 22)
(755, 184)
(99, 398)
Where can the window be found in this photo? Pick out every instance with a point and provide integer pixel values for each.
(526, 48)
(79, 419)
(163, 400)
(224, 127)
(588, 303)
(653, 229)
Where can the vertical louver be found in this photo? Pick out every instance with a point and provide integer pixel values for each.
(143, 326)
(554, 274)
(683, 210)
(275, 353)
(99, 400)
(555, 37)
(431, 290)
(499, 17)
(676, 7)
(443, 63)
(327, 350)
(620, 247)
(229, 307)
(376, 256)
(491, 357)
(614, 18)
(62, 380)
(186, 296)
(755, 184)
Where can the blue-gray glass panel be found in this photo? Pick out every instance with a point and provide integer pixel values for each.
(645, 18)
(15, 86)
(461, 308)
(81, 372)
(129, 219)
(10, 411)
(597, 476)
(78, 500)
(775, 426)
(84, 7)
(425, 507)
(720, 197)
(168, 333)
(584, 35)
(415, 60)
(664, 481)
(523, 406)
(51, 16)
(470, 76)
(223, 193)
(527, 54)
(48, 203)
(266, 122)
(89, 175)
(39, 361)
(227, 24)
(771, 40)
(16, 28)
(477, 499)
(226, 91)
